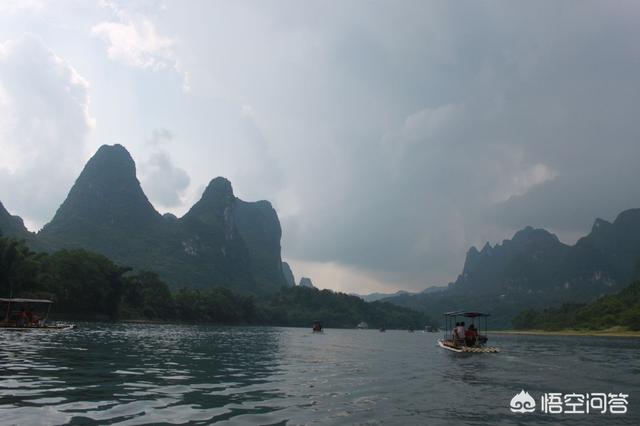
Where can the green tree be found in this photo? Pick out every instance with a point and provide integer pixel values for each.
(19, 268)
(146, 296)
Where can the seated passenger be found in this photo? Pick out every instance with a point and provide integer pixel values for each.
(471, 335)
(22, 318)
(460, 331)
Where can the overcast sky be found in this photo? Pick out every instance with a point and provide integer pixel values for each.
(390, 136)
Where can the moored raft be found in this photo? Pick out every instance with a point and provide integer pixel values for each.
(26, 318)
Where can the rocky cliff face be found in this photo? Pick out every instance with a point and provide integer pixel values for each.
(535, 263)
(11, 226)
(107, 193)
(106, 210)
(611, 251)
(220, 241)
(259, 228)
(533, 258)
(535, 270)
(288, 274)
(306, 282)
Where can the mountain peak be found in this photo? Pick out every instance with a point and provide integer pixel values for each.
(288, 274)
(221, 241)
(215, 204)
(115, 149)
(486, 248)
(306, 282)
(530, 234)
(599, 224)
(473, 251)
(218, 187)
(106, 192)
(628, 217)
(115, 157)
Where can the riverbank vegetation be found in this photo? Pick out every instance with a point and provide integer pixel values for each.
(90, 286)
(620, 312)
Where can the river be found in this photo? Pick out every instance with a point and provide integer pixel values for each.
(133, 374)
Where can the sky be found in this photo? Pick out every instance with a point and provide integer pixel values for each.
(389, 136)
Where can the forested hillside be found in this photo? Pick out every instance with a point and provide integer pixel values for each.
(86, 285)
(618, 310)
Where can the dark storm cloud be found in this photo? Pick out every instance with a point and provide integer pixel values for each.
(534, 124)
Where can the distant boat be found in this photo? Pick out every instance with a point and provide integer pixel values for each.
(472, 341)
(20, 315)
(430, 329)
(382, 329)
(317, 327)
(362, 326)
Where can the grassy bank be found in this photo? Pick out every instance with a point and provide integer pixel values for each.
(610, 332)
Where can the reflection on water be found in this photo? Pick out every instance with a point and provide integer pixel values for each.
(138, 373)
(179, 374)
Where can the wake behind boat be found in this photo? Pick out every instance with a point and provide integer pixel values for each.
(459, 338)
(28, 314)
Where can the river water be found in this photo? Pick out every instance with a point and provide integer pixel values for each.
(134, 374)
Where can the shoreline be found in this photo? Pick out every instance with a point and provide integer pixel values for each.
(613, 332)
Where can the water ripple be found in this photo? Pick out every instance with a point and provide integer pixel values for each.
(133, 374)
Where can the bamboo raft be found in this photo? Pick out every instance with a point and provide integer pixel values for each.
(34, 328)
(469, 349)
(488, 349)
(456, 339)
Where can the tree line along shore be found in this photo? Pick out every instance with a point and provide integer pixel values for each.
(614, 315)
(86, 285)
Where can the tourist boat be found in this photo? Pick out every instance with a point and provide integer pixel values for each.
(362, 326)
(317, 327)
(475, 343)
(19, 314)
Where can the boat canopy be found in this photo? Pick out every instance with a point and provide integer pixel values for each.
(468, 314)
(25, 300)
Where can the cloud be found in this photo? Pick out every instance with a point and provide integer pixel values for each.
(341, 278)
(44, 105)
(257, 172)
(134, 40)
(138, 44)
(500, 123)
(389, 138)
(10, 7)
(164, 183)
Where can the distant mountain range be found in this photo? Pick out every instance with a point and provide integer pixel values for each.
(535, 270)
(221, 241)
(372, 297)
